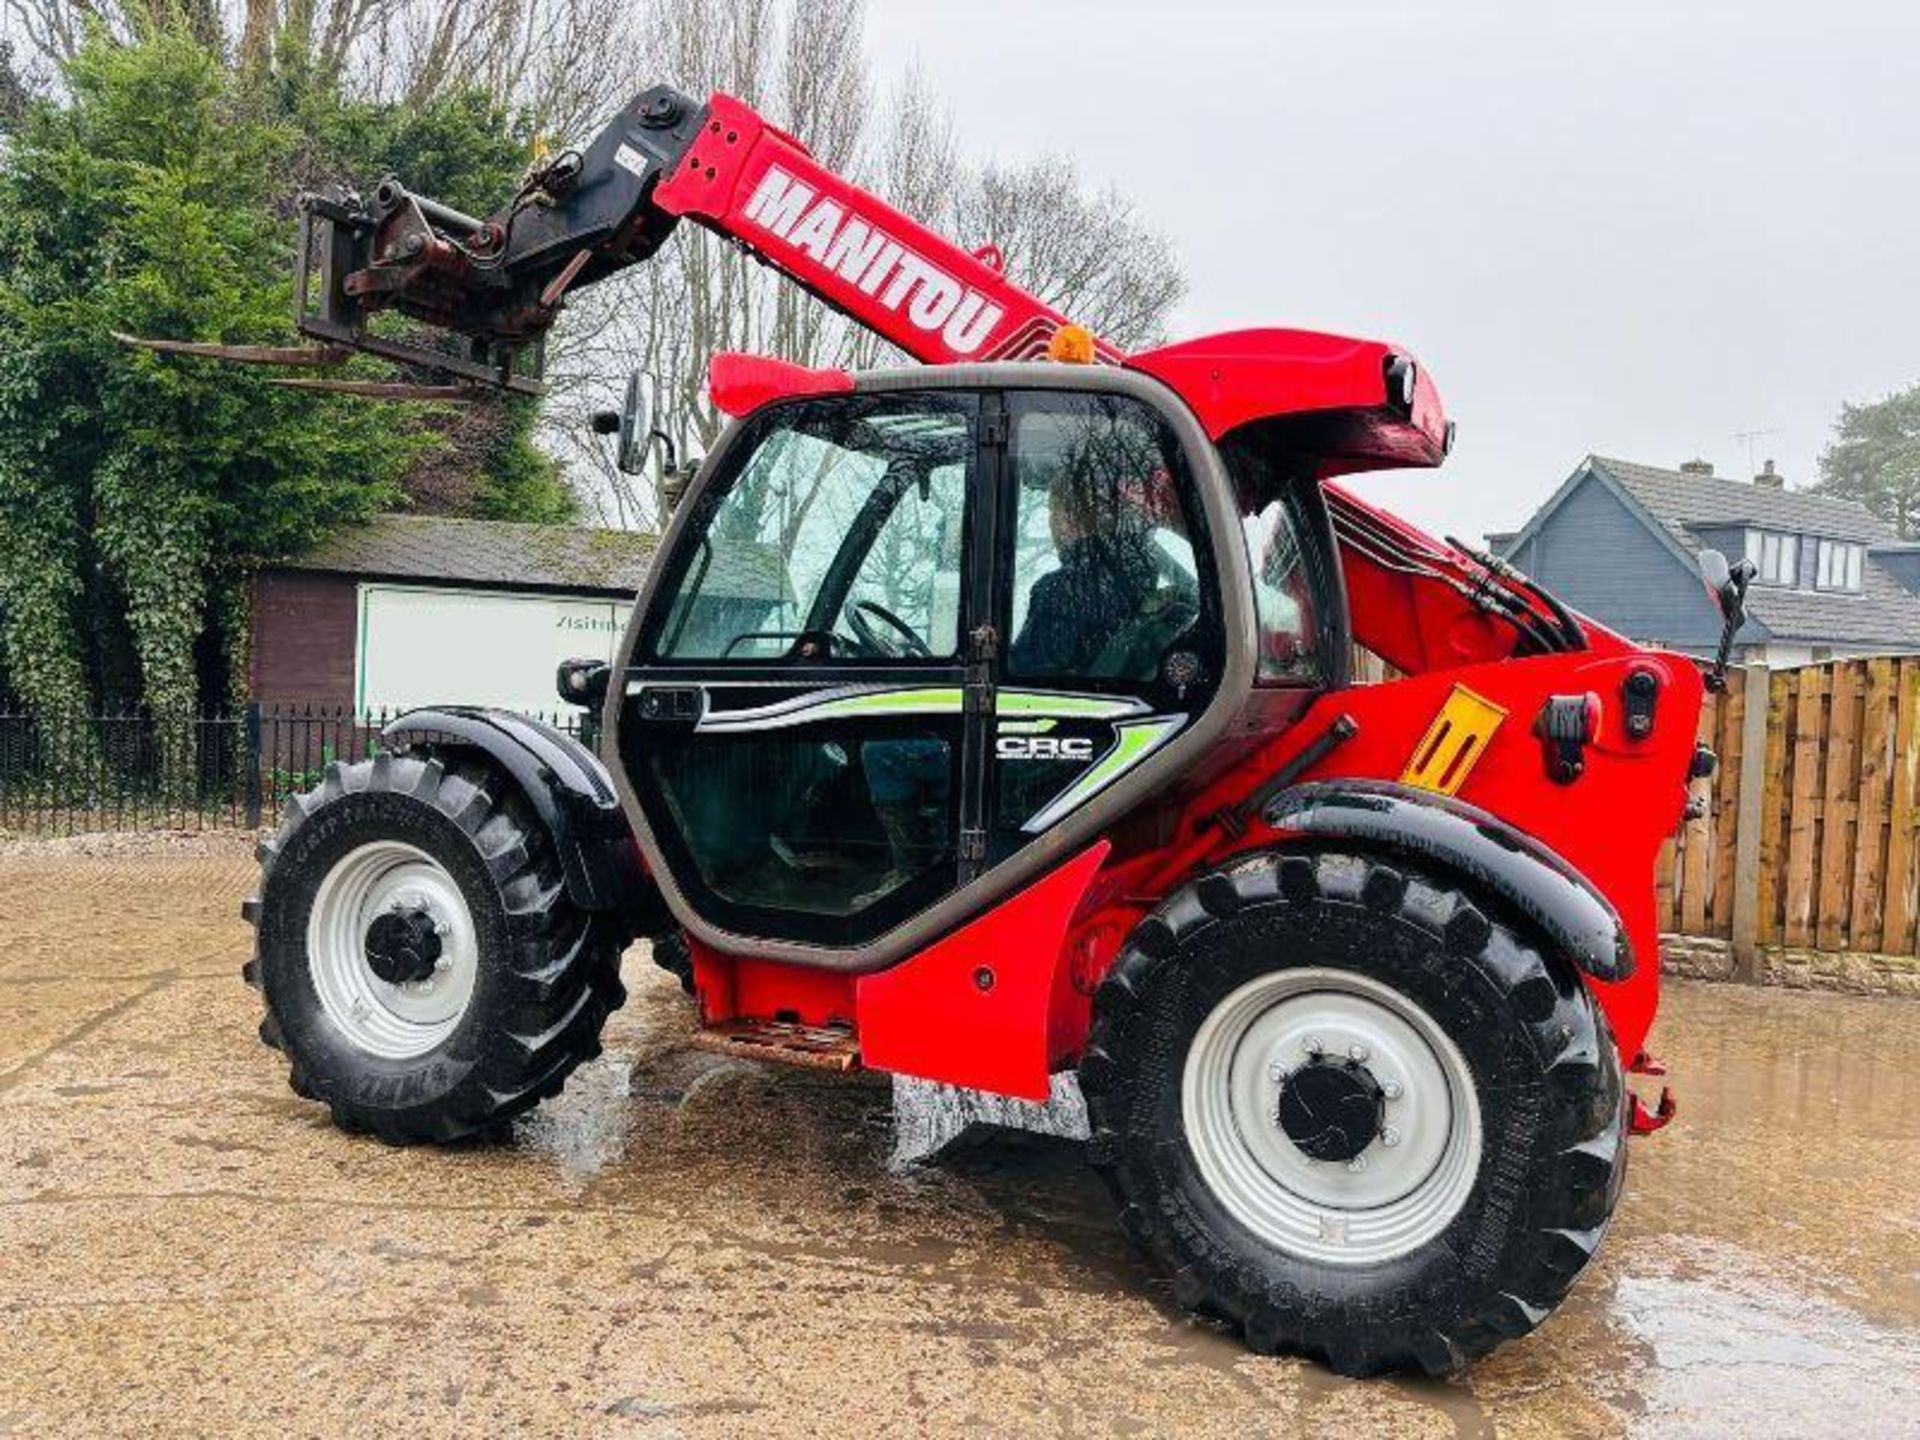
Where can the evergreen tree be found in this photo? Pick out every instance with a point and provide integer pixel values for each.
(138, 490)
(1875, 458)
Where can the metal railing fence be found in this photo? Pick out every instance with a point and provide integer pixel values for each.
(124, 769)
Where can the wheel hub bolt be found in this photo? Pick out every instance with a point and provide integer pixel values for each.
(1356, 1164)
(1330, 1109)
(402, 947)
(1390, 1089)
(1389, 1137)
(1357, 1053)
(1277, 1073)
(1312, 1045)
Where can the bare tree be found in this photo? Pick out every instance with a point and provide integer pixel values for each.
(1088, 254)
(916, 167)
(803, 65)
(258, 33)
(561, 63)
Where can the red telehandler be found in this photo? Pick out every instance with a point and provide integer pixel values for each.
(990, 719)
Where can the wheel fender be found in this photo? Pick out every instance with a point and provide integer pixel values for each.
(1481, 848)
(568, 787)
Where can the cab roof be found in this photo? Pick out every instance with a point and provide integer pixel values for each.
(1357, 404)
(1364, 404)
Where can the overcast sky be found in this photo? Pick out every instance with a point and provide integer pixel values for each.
(1635, 228)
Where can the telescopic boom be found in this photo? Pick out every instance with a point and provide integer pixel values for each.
(497, 282)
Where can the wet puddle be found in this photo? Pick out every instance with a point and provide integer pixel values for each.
(1739, 1349)
(583, 1130)
(929, 1118)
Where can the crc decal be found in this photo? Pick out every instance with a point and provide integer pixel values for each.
(1043, 747)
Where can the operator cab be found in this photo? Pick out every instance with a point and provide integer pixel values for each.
(909, 642)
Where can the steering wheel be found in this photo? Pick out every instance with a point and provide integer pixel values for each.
(857, 617)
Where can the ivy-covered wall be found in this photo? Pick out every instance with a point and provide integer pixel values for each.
(138, 490)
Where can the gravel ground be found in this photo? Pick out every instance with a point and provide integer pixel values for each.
(685, 1245)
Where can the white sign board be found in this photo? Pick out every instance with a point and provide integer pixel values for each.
(421, 646)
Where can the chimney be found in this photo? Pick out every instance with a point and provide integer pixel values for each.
(1770, 478)
(1696, 467)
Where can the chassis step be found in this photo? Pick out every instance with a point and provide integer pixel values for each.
(821, 1046)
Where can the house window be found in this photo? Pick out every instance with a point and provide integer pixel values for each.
(1777, 555)
(1840, 565)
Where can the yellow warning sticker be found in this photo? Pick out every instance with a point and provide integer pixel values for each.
(1454, 742)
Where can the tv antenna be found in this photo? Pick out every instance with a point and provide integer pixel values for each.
(1747, 437)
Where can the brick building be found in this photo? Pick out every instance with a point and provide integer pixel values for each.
(413, 610)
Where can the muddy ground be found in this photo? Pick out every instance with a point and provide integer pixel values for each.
(690, 1245)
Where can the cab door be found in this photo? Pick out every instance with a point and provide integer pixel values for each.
(795, 722)
(1109, 596)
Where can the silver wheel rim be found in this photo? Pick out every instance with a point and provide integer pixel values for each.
(1413, 1177)
(393, 1021)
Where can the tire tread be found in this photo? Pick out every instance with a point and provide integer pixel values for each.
(560, 979)
(1586, 1166)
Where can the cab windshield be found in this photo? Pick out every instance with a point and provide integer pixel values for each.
(840, 534)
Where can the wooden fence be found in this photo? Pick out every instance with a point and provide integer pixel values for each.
(1809, 841)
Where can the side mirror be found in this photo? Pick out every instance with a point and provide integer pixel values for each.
(1727, 584)
(583, 682)
(636, 423)
(1714, 571)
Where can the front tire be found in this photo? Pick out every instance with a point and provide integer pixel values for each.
(1353, 1114)
(424, 970)
(673, 954)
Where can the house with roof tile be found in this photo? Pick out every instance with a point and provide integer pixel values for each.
(1621, 541)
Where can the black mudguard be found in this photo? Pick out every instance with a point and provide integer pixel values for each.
(1421, 826)
(569, 789)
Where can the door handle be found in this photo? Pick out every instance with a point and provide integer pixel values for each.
(670, 704)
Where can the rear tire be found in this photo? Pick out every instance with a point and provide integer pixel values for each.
(1496, 1076)
(495, 984)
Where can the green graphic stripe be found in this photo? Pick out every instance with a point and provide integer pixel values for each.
(1138, 739)
(1020, 707)
(944, 700)
(837, 705)
(1065, 707)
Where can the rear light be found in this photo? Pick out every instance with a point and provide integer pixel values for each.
(1402, 383)
(1639, 694)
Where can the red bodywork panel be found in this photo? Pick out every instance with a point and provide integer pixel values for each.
(1242, 376)
(1421, 605)
(740, 384)
(973, 1009)
(988, 1007)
